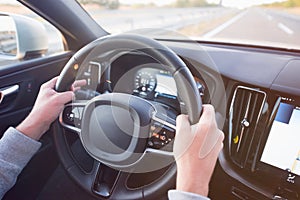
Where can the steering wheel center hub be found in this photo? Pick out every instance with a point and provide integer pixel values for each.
(115, 128)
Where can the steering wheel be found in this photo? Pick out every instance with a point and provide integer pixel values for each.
(114, 128)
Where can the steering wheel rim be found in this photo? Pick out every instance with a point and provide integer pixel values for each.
(187, 91)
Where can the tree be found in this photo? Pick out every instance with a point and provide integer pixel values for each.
(191, 3)
(111, 4)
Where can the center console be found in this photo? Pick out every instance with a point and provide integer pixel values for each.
(263, 145)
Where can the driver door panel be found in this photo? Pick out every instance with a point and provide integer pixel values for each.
(28, 76)
(25, 78)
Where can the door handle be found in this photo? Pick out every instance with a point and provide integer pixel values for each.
(7, 91)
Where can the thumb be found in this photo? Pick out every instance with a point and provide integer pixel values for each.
(65, 97)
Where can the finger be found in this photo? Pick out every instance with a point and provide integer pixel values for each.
(210, 143)
(218, 147)
(65, 97)
(74, 89)
(208, 114)
(206, 134)
(182, 121)
(183, 127)
(51, 83)
(184, 137)
(205, 123)
(79, 83)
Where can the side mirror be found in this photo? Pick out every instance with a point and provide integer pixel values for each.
(21, 37)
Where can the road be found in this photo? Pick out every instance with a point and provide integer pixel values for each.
(253, 25)
(117, 21)
(257, 24)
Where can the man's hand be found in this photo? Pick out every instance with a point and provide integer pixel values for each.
(46, 109)
(195, 151)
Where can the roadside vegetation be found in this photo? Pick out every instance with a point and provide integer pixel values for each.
(190, 3)
(289, 6)
(286, 4)
(111, 4)
(115, 4)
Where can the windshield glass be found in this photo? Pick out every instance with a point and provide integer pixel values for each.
(272, 23)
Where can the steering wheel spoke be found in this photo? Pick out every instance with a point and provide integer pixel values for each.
(104, 180)
(111, 183)
(121, 187)
(71, 116)
(162, 134)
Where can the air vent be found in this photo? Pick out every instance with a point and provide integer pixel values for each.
(245, 111)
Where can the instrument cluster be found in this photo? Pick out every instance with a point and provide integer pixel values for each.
(149, 82)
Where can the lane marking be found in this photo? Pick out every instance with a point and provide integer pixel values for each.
(269, 17)
(285, 29)
(223, 26)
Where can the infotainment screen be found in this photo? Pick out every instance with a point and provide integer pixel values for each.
(282, 149)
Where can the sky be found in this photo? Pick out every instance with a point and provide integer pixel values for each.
(157, 2)
(228, 3)
(243, 3)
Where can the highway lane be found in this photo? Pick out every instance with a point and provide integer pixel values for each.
(260, 26)
(290, 22)
(117, 21)
(253, 25)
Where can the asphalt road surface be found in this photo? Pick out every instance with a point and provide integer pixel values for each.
(117, 21)
(265, 26)
(254, 25)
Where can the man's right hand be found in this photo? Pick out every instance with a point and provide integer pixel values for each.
(194, 170)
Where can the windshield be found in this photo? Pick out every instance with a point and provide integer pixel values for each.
(253, 22)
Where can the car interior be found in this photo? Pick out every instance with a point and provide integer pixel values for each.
(135, 77)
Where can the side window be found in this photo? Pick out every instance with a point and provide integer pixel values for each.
(24, 35)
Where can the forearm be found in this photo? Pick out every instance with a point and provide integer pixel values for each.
(33, 127)
(16, 150)
(189, 184)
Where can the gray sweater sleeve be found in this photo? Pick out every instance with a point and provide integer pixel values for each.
(16, 150)
(180, 195)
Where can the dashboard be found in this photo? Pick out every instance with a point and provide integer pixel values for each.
(135, 74)
(257, 100)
